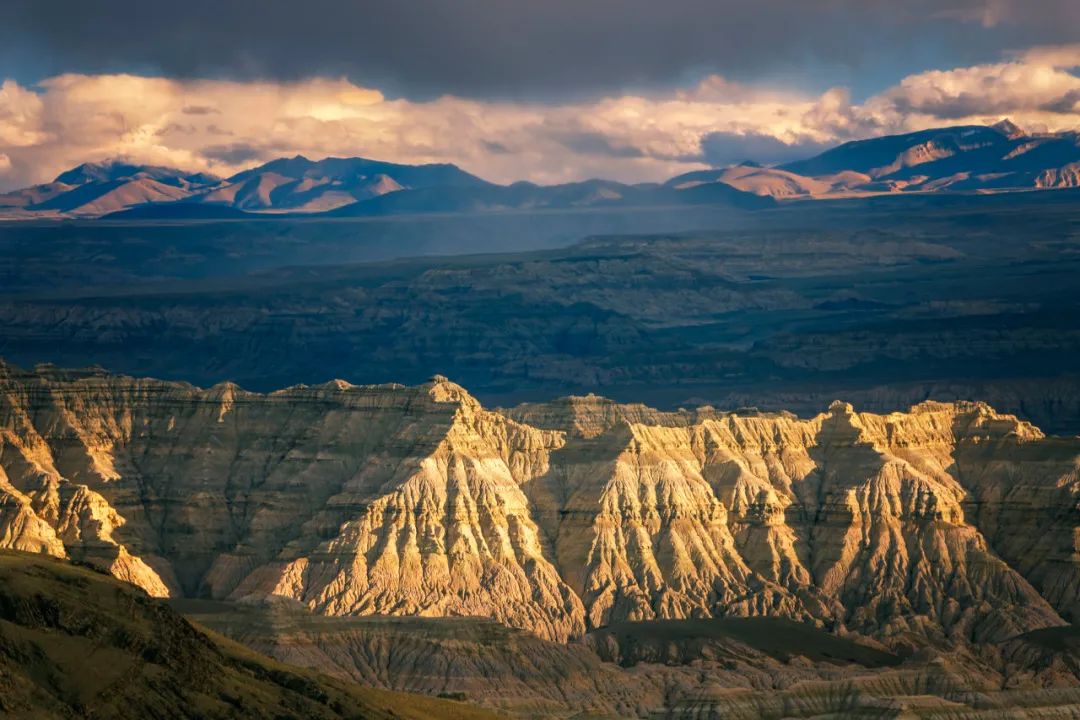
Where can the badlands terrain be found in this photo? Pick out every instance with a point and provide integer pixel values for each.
(884, 302)
(691, 564)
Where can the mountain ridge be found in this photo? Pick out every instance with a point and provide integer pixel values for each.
(95, 189)
(959, 159)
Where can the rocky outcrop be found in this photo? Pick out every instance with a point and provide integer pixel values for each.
(949, 524)
(855, 520)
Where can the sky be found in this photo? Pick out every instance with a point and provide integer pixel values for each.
(552, 91)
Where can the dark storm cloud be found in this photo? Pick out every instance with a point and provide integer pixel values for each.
(594, 143)
(724, 148)
(521, 48)
(235, 153)
(1067, 103)
(496, 148)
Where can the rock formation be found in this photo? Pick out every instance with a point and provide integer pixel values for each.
(945, 525)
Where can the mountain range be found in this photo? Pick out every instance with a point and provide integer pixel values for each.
(996, 158)
(968, 158)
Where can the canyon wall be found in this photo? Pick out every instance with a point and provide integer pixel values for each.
(946, 524)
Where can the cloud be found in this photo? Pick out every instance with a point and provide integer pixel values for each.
(1037, 88)
(1002, 88)
(1055, 56)
(591, 142)
(726, 148)
(987, 13)
(555, 49)
(834, 115)
(20, 116)
(71, 118)
(234, 154)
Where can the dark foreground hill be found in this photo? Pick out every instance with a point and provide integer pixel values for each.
(75, 643)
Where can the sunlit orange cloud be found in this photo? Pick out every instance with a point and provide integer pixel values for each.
(224, 126)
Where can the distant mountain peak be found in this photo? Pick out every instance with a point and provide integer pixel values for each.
(100, 170)
(352, 169)
(962, 158)
(114, 169)
(1009, 129)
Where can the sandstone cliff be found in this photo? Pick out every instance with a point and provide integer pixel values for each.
(944, 525)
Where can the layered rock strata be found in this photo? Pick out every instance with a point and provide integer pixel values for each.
(946, 524)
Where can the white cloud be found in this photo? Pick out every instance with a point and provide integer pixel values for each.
(1021, 88)
(224, 126)
(1056, 56)
(20, 116)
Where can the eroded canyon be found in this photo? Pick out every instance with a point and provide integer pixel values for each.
(948, 528)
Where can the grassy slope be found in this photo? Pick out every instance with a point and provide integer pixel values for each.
(76, 643)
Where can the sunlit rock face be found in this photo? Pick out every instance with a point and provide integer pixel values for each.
(949, 523)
